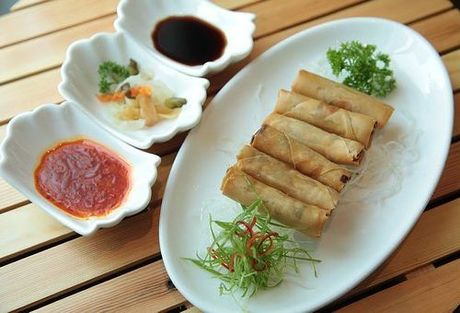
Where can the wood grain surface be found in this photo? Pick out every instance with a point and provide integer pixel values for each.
(120, 268)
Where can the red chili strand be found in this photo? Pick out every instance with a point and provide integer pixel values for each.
(248, 230)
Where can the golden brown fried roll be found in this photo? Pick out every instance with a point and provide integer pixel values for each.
(282, 176)
(333, 147)
(308, 219)
(351, 125)
(326, 90)
(302, 158)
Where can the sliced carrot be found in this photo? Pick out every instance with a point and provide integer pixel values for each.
(111, 97)
(140, 90)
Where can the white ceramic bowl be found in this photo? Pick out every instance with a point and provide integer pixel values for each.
(138, 18)
(80, 85)
(30, 134)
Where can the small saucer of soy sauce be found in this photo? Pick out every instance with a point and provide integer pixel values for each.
(197, 38)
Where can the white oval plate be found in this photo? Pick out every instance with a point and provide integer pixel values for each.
(358, 237)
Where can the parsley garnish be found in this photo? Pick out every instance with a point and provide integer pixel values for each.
(111, 74)
(364, 68)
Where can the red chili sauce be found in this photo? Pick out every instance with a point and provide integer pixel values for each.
(82, 178)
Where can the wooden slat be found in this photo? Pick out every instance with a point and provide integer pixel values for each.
(79, 261)
(378, 8)
(21, 4)
(456, 131)
(50, 16)
(142, 290)
(27, 94)
(450, 181)
(452, 62)
(434, 236)
(422, 246)
(436, 291)
(46, 52)
(443, 31)
(419, 271)
(234, 4)
(10, 197)
(25, 228)
(274, 15)
(18, 237)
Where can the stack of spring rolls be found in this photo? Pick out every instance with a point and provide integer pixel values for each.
(300, 159)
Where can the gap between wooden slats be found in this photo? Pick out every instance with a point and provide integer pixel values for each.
(434, 291)
(456, 130)
(422, 245)
(42, 87)
(275, 15)
(443, 30)
(140, 290)
(21, 4)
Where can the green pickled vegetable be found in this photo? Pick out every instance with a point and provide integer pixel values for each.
(175, 102)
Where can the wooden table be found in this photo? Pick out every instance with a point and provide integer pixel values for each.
(46, 267)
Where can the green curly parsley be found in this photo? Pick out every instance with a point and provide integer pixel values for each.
(111, 74)
(365, 69)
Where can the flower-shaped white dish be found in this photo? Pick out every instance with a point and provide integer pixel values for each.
(139, 17)
(80, 85)
(31, 134)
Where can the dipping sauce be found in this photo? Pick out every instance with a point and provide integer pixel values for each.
(188, 40)
(82, 178)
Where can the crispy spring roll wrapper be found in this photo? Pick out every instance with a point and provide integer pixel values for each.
(326, 90)
(302, 158)
(351, 125)
(282, 176)
(308, 219)
(333, 147)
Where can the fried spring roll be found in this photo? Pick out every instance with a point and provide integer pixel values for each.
(308, 219)
(333, 147)
(351, 125)
(326, 90)
(283, 177)
(302, 158)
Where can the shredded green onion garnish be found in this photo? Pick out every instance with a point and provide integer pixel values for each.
(248, 255)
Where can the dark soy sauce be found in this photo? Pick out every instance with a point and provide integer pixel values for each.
(188, 40)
